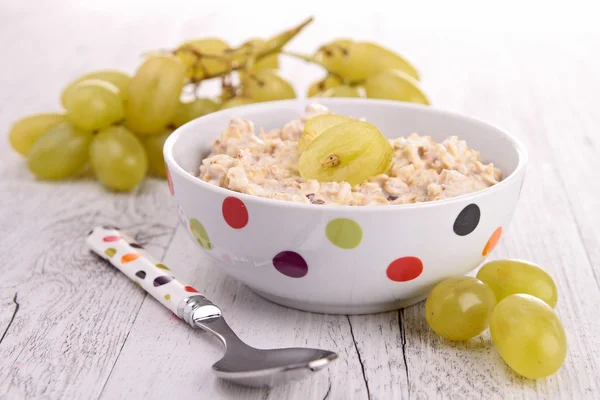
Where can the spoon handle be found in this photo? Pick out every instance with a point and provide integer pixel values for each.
(122, 251)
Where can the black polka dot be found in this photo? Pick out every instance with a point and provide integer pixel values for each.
(136, 245)
(110, 227)
(141, 274)
(467, 220)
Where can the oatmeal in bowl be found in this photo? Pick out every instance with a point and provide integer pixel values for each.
(265, 164)
(350, 206)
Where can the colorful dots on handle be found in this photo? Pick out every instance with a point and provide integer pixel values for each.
(141, 274)
(162, 266)
(110, 252)
(162, 280)
(199, 233)
(129, 257)
(467, 220)
(344, 233)
(167, 297)
(291, 264)
(136, 245)
(405, 269)
(235, 212)
(190, 289)
(492, 242)
(112, 238)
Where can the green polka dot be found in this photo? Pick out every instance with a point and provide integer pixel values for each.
(200, 233)
(344, 233)
(110, 252)
(162, 266)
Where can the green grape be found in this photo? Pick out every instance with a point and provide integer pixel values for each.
(268, 62)
(340, 91)
(334, 56)
(60, 153)
(317, 125)
(26, 131)
(153, 96)
(117, 78)
(192, 110)
(395, 85)
(351, 151)
(154, 150)
(118, 158)
(506, 277)
(322, 85)
(356, 61)
(236, 102)
(94, 104)
(459, 308)
(267, 85)
(204, 57)
(528, 335)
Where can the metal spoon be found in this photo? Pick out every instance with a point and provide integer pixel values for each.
(241, 363)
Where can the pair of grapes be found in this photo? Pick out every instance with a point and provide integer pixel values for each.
(516, 299)
(356, 68)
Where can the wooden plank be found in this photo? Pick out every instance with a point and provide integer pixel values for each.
(165, 358)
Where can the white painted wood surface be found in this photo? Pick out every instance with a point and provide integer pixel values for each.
(83, 331)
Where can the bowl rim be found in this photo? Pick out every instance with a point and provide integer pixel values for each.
(182, 130)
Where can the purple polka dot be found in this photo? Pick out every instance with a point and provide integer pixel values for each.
(290, 264)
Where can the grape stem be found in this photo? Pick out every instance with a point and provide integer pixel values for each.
(271, 46)
(331, 161)
(312, 60)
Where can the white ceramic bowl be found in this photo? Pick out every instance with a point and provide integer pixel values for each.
(280, 249)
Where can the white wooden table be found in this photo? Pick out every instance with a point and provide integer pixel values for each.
(74, 328)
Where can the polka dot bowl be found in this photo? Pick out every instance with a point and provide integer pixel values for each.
(341, 259)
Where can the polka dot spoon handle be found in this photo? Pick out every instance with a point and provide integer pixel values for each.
(122, 251)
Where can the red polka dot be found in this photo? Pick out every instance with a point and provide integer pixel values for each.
(235, 213)
(169, 180)
(405, 269)
(112, 238)
(190, 289)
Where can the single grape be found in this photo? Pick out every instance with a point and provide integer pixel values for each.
(506, 277)
(204, 57)
(356, 61)
(26, 131)
(236, 102)
(94, 104)
(267, 85)
(192, 110)
(351, 151)
(60, 153)
(528, 335)
(317, 125)
(322, 85)
(153, 96)
(459, 308)
(117, 78)
(340, 91)
(118, 158)
(154, 150)
(395, 85)
(334, 56)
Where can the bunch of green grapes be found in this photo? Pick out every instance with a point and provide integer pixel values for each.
(516, 300)
(364, 69)
(116, 124)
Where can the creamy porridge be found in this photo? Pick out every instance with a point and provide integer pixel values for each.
(266, 165)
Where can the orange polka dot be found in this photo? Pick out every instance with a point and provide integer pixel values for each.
(494, 239)
(129, 257)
